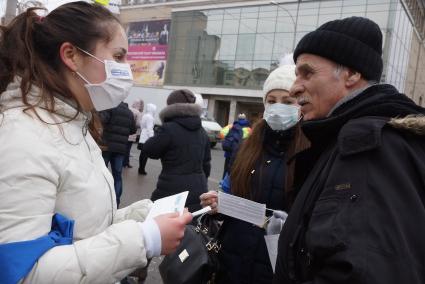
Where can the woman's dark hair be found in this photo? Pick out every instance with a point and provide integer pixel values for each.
(30, 44)
(252, 151)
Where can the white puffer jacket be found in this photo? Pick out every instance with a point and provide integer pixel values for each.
(48, 168)
(147, 123)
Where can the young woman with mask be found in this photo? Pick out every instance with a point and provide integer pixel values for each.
(58, 217)
(262, 172)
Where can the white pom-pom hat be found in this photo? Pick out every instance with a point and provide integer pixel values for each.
(281, 78)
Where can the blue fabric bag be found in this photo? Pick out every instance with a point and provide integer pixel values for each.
(18, 258)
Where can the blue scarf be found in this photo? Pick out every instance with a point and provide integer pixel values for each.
(18, 258)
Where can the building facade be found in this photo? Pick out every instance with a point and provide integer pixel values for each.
(225, 50)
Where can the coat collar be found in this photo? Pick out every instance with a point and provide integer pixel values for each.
(179, 110)
(64, 114)
(377, 100)
(65, 109)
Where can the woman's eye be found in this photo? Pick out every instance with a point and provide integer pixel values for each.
(119, 58)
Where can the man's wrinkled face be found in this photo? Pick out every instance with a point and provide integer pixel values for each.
(320, 84)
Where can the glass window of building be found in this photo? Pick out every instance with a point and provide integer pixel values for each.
(245, 48)
(250, 12)
(228, 45)
(378, 11)
(230, 27)
(283, 44)
(286, 15)
(354, 8)
(329, 10)
(248, 26)
(214, 15)
(263, 46)
(267, 19)
(237, 47)
(308, 16)
(232, 14)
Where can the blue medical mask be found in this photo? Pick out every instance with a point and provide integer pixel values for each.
(281, 116)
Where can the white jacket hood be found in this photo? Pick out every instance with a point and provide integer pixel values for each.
(151, 109)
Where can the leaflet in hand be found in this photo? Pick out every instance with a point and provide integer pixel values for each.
(241, 208)
(169, 204)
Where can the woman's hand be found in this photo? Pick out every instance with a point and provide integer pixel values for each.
(172, 228)
(210, 198)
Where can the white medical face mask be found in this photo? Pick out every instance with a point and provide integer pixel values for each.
(281, 116)
(115, 89)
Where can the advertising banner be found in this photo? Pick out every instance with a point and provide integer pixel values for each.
(147, 51)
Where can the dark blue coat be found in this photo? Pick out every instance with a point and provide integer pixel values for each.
(244, 257)
(232, 140)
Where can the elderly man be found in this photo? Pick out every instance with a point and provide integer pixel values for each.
(359, 216)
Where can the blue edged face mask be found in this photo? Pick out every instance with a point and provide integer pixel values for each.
(281, 116)
(114, 89)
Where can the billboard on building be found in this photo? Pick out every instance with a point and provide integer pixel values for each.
(147, 51)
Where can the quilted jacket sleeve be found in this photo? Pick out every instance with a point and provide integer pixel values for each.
(30, 179)
(105, 258)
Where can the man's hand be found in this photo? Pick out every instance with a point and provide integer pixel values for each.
(210, 198)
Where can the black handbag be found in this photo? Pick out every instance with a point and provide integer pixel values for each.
(195, 260)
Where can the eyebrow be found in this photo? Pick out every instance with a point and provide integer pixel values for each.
(304, 68)
(121, 49)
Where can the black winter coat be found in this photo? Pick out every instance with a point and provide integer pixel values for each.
(184, 149)
(244, 257)
(118, 123)
(360, 215)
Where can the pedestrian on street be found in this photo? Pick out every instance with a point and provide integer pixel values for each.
(137, 109)
(183, 147)
(58, 216)
(147, 124)
(118, 124)
(359, 216)
(237, 132)
(262, 172)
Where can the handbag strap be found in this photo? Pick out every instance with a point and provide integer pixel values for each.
(202, 228)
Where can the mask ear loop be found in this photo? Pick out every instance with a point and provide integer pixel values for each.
(91, 55)
(82, 77)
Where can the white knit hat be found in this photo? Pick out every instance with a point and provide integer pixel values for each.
(281, 78)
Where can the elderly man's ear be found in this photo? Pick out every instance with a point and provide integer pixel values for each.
(353, 77)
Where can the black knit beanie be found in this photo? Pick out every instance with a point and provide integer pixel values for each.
(354, 42)
(181, 96)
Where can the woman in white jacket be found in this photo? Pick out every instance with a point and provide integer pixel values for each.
(54, 71)
(147, 124)
(137, 109)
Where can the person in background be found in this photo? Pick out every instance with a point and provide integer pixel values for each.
(183, 147)
(147, 124)
(236, 133)
(137, 109)
(263, 172)
(59, 221)
(360, 214)
(118, 123)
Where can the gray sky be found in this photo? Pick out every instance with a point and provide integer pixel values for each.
(50, 4)
(2, 7)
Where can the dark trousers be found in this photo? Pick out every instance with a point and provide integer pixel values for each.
(116, 160)
(127, 154)
(143, 159)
